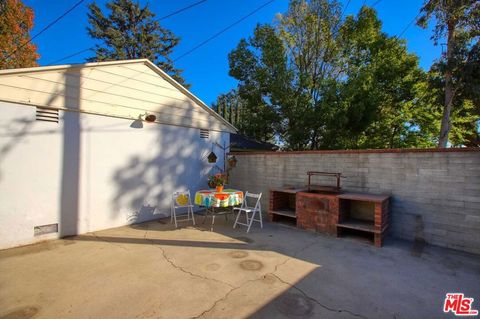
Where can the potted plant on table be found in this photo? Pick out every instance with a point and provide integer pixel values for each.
(217, 181)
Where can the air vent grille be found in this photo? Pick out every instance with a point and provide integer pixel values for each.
(45, 229)
(47, 115)
(204, 133)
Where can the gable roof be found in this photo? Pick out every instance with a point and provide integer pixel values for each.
(126, 89)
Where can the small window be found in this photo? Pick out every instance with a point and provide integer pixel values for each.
(47, 115)
(204, 133)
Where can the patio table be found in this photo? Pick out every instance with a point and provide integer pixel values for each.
(212, 199)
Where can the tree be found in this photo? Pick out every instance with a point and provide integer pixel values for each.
(310, 33)
(231, 107)
(16, 21)
(458, 21)
(284, 72)
(131, 32)
(322, 83)
(381, 88)
(465, 114)
(260, 72)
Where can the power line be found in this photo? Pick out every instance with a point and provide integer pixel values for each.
(181, 10)
(344, 10)
(408, 26)
(223, 30)
(69, 56)
(45, 28)
(159, 19)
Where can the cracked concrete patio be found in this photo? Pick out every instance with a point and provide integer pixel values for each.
(152, 270)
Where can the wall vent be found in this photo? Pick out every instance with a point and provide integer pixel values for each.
(45, 229)
(47, 115)
(204, 133)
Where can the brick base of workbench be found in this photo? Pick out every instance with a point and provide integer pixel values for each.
(317, 212)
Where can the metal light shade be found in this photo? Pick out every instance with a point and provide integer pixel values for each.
(137, 124)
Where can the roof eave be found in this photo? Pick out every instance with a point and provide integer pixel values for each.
(147, 62)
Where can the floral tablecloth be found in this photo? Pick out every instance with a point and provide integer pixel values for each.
(211, 198)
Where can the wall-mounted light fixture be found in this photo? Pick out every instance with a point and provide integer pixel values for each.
(138, 123)
(150, 118)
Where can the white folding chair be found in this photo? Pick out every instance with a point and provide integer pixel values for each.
(247, 209)
(181, 200)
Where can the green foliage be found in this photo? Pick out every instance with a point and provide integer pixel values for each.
(381, 87)
(465, 116)
(456, 74)
(131, 32)
(463, 15)
(231, 107)
(16, 21)
(315, 82)
(260, 71)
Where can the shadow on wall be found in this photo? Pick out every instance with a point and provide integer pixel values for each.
(19, 128)
(177, 162)
(146, 212)
(70, 175)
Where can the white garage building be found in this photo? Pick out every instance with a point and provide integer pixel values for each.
(76, 154)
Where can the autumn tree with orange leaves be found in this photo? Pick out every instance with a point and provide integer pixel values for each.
(16, 21)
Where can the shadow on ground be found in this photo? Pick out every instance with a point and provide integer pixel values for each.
(153, 270)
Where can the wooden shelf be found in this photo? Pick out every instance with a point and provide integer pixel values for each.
(358, 224)
(284, 212)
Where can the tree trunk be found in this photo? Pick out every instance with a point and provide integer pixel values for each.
(237, 112)
(445, 126)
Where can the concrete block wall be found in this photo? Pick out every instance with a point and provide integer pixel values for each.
(435, 194)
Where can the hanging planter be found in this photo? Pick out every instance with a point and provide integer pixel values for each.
(211, 184)
(232, 162)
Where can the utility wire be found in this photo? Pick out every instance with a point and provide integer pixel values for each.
(69, 56)
(159, 19)
(222, 31)
(44, 29)
(344, 10)
(181, 10)
(408, 25)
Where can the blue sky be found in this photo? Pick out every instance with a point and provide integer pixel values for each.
(207, 68)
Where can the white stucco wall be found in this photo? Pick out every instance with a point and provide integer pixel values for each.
(91, 172)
